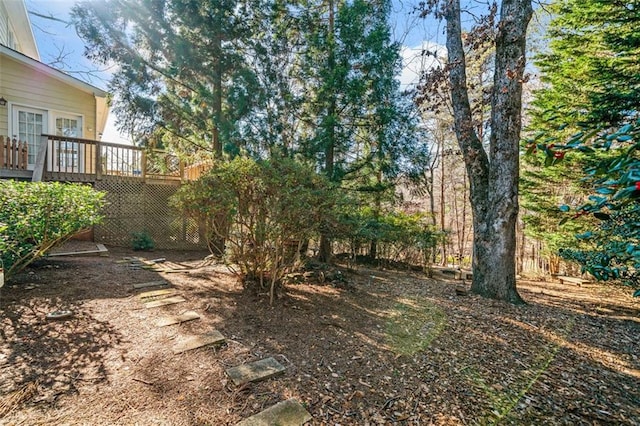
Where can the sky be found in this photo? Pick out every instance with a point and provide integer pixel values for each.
(56, 38)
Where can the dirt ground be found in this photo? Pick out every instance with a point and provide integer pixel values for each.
(393, 347)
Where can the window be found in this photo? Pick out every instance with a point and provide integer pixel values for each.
(67, 127)
(67, 153)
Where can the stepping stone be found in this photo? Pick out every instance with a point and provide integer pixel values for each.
(285, 413)
(150, 284)
(164, 302)
(255, 371)
(157, 293)
(212, 338)
(177, 319)
(151, 267)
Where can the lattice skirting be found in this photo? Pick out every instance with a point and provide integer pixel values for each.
(134, 206)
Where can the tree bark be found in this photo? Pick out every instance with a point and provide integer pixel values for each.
(493, 177)
(325, 250)
(217, 93)
(443, 261)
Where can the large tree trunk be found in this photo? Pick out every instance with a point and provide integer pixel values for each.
(493, 178)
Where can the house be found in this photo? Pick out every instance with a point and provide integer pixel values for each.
(36, 100)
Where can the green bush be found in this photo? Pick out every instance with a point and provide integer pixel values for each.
(396, 233)
(263, 210)
(142, 241)
(36, 217)
(610, 250)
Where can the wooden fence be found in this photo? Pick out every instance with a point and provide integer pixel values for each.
(13, 154)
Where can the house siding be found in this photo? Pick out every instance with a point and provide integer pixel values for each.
(4, 25)
(23, 85)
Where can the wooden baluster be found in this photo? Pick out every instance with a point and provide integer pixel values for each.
(2, 152)
(98, 160)
(14, 154)
(9, 153)
(24, 151)
(59, 156)
(144, 165)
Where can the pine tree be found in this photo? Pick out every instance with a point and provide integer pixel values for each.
(181, 78)
(357, 127)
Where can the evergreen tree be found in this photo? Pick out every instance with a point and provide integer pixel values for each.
(591, 77)
(358, 129)
(181, 76)
(592, 67)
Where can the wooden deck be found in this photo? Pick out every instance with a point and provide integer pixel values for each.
(83, 160)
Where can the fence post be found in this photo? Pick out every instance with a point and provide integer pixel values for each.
(144, 164)
(41, 159)
(98, 160)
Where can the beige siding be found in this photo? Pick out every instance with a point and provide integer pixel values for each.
(4, 25)
(23, 85)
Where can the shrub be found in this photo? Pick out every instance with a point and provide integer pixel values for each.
(36, 217)
(611, 251)
(398, 234)
(263, 210)
(142, 241)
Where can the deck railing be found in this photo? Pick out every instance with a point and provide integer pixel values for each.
(83, 160)
(13, 154)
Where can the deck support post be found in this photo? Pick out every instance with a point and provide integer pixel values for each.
(41, 159)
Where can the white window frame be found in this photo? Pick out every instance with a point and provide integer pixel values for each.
(77, 163)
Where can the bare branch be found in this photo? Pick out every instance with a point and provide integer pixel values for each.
(50, 17)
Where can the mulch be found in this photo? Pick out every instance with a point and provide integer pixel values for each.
(391, 347)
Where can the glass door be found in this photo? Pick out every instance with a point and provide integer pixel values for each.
(28, 125)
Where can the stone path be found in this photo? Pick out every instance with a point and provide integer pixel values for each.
(156, 293)
(194, 342)
(255, 371)
(164, 302)
(177, 319)
(150, 284)
(285, 413)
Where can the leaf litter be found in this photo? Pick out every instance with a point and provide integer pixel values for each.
(402, 349)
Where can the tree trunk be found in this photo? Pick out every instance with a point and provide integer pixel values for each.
(443, 261)
(521, 253)
(325, 251)
(373, 249)
(493, 178)
(432, 209)
(217, 96)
